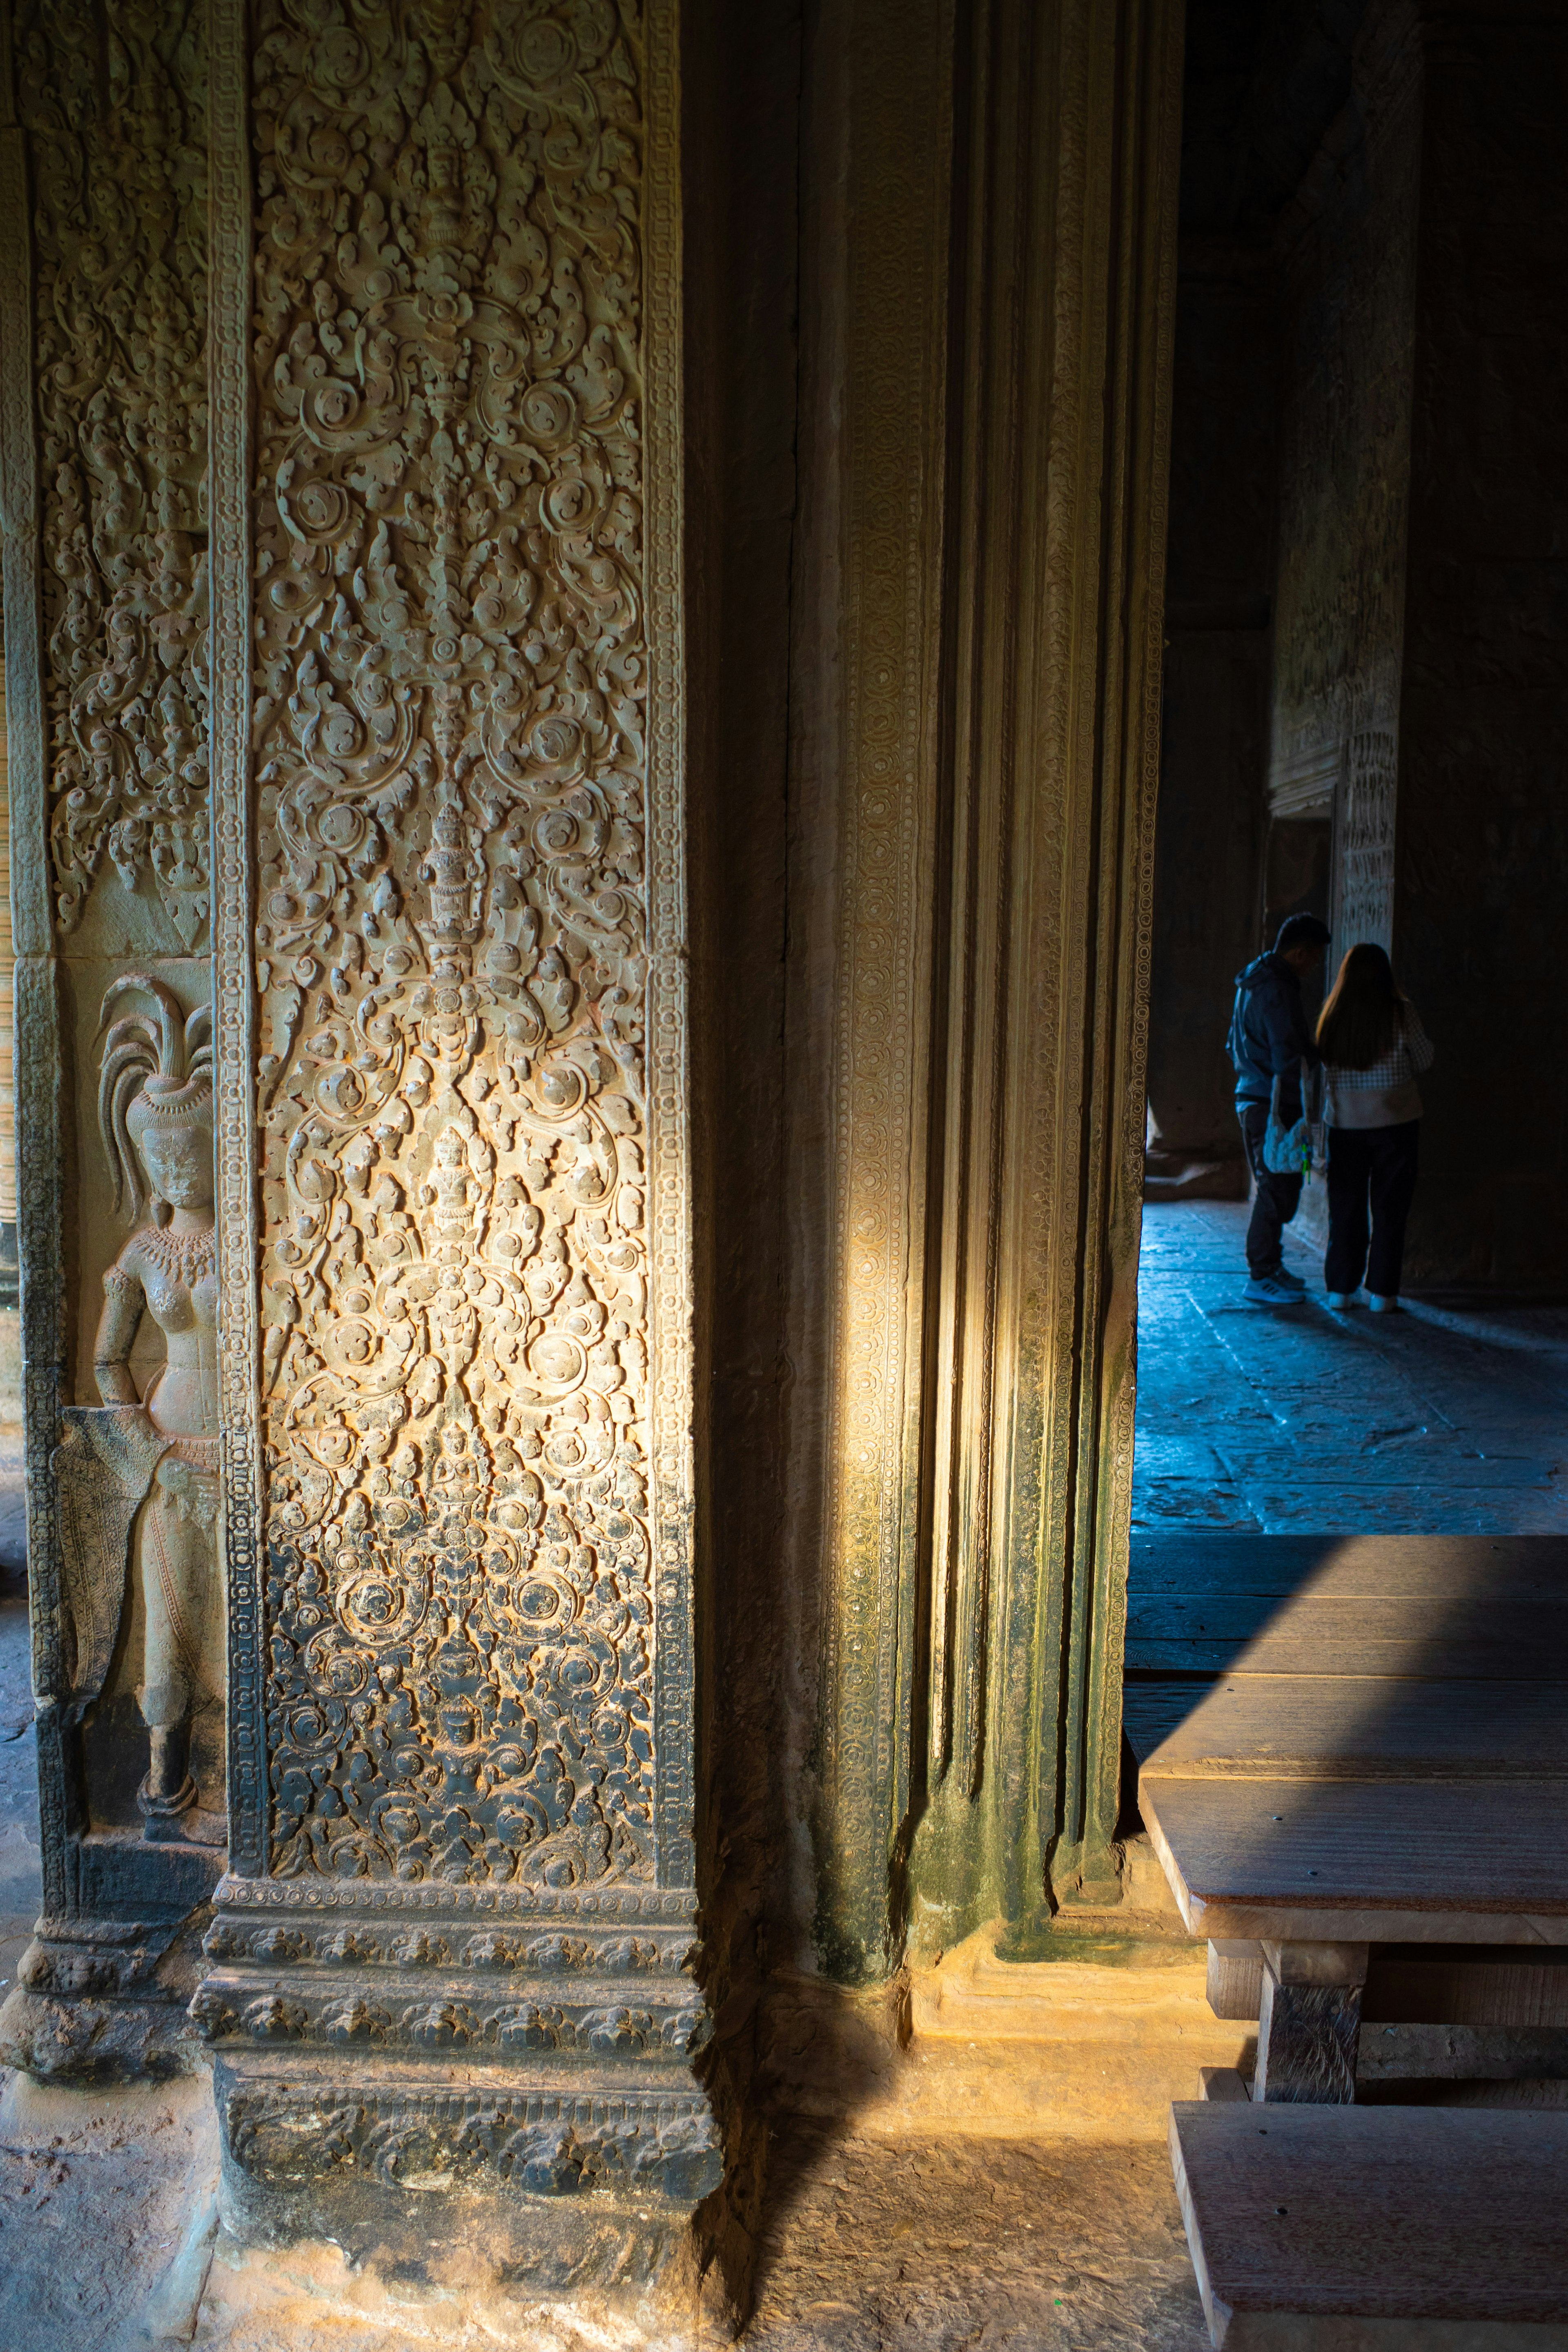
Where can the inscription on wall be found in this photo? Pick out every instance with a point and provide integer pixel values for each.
(450, 673)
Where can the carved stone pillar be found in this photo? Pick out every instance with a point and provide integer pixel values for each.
(991, 251)
(103, 475)
(452, 1951)
(1068, 210)
(867, 755)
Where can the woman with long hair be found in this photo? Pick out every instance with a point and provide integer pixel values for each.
(1373, 1047)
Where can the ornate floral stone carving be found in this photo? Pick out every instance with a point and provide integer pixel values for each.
(449, 739)
(551, 2145)
(462, 1857)
(113, 96)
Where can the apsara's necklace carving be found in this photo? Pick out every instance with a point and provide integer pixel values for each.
(187, 1256)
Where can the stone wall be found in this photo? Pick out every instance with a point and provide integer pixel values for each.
(1214, 733)
(1348, 291)
(13, 1548)
(1424, 492)
(1482, 860)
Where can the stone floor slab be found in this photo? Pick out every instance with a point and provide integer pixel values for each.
(940, 2245)
(1450, 1416)
(96, 2192)
(1010, 2247)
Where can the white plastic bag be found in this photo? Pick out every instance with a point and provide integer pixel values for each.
(1296, 1150)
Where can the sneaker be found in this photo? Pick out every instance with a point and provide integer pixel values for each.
(1268, 1290)
(1283, 1274)
(1382, 1306)
(1342, 1301)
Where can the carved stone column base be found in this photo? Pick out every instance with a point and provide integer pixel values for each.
(96, 2041)
(105, 2001)
(391, 2058)
(573, 2176)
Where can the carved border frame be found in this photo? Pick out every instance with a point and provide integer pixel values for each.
(670, 1337)
(234, 976)
(41, 1127)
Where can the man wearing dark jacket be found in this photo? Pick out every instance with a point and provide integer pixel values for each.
(1269, 1039)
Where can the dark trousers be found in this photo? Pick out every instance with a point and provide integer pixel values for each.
(1370, 1166)
(1274, 1199)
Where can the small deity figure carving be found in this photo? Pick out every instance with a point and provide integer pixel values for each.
(139, 1477)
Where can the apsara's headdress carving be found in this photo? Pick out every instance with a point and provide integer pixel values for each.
(157, 1070)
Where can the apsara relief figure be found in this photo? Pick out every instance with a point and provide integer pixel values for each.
(138, 1482)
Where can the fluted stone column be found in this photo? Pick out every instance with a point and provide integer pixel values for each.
(989, 273)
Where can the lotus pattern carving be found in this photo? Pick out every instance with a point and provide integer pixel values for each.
(450, 2023)
(550, 2146)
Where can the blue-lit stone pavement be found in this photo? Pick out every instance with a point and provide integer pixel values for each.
(1451, 1417)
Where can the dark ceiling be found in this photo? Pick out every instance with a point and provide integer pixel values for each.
(1264, 80)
